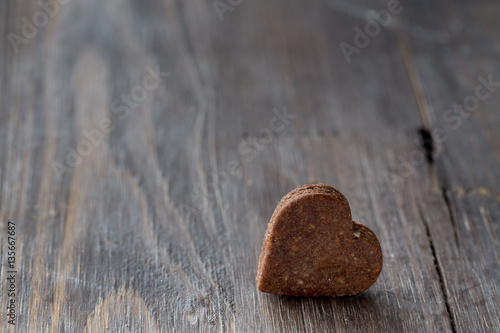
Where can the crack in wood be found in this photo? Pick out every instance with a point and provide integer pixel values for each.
(441, 279)
(427, 143)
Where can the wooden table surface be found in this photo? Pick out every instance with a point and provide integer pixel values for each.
(145, 144)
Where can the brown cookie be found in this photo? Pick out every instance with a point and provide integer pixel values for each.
(312, 247)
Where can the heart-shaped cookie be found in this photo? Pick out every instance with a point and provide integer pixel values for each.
(312, 247)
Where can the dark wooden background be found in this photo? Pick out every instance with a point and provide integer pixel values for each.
(140, 236)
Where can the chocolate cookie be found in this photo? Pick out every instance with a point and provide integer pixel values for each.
(312, 247)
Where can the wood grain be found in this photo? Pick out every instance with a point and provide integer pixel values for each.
(159, 227)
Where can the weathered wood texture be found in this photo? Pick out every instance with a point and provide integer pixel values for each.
(139, 235)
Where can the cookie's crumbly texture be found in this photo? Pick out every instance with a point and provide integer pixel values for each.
(313, 248)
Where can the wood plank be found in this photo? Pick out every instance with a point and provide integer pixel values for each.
(141, 236)
(466, 155)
